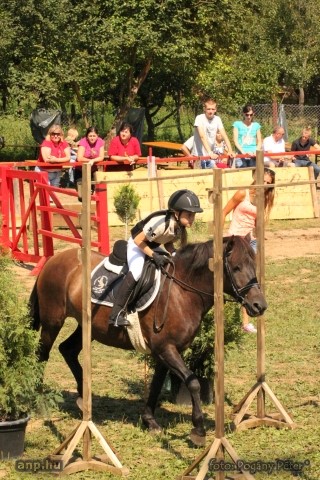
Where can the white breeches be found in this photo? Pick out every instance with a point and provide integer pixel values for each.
(135, 258)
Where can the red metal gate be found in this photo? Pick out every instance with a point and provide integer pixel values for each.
(27, 205)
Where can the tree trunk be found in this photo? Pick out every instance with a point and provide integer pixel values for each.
(150, 125)
(127, 101)
(301, 96)
(82, 103)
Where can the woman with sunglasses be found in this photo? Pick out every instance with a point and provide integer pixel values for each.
(54, 149)
(247, 138)
(244, 215)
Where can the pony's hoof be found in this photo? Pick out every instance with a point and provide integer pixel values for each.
(149, 422)
(198, 440)
(79, 403)
(155, 430)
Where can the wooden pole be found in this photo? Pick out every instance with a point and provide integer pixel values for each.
(86, 305)
(87, 428)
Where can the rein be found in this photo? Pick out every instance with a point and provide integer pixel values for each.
(239, 293)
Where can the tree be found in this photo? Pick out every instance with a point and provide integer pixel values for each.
(126, 202)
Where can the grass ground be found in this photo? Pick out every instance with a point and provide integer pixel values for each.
(292, 372)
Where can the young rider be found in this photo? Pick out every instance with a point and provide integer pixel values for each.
(163, 227)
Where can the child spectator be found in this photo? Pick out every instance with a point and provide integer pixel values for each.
(73, 144)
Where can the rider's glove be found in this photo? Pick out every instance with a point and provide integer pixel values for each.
(160, 260)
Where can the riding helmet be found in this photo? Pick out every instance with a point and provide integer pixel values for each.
(184, 200)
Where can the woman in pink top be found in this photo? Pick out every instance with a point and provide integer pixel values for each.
(91, 150)
(124, 149)
(54, 149)
(243, 206)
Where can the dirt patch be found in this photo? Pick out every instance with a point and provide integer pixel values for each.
(292, 243)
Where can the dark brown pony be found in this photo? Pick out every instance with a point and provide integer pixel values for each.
(57, 295)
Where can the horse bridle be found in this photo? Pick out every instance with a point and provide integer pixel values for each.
(237, 292)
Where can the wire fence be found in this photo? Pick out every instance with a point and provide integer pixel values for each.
(292, 117)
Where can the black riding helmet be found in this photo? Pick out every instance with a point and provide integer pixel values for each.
(184, 200)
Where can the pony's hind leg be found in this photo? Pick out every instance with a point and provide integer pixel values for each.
(157, 382)
(70, 350)
(47, 339)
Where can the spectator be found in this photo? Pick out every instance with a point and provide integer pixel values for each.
(243, 206)
(247, 138)
(54, 149)
(275, 144)
(73, 144)
(187, 148)
(124, 148)
(220, 148)
(206, 126)
(90, 149)
(303, 144)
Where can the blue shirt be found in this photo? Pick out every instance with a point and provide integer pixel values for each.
(247, 135)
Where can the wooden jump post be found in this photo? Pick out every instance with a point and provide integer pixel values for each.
(221, 445)
(86, 428)
(241, 418)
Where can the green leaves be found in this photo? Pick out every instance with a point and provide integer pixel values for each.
(20, 372)
(126, 202)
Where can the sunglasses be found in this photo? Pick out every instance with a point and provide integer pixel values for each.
(249, 114)
(56, 134)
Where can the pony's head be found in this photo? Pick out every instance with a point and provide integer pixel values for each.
(240, 280)
(239, 271)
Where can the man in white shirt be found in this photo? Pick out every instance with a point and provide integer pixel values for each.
(275, 144)
(206, 126)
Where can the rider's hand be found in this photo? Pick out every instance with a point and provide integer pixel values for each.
(160, 260)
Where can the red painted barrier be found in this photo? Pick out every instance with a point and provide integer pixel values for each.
(27, 205)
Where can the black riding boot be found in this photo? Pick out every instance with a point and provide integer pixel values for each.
(118, 316)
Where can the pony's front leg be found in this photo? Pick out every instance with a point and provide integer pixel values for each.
(198, 433)
(172, 360)
(157, 382)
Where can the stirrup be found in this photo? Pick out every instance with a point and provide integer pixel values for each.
(120, 321)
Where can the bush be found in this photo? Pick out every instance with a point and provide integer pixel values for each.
(20, 372)
(199, 357)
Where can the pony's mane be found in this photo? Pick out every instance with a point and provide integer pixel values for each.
(243, 247)
(195, 255)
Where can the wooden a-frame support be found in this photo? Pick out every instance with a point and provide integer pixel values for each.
(84, 431)
(217, 450)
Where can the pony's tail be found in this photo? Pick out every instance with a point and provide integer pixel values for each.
(34, 308)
